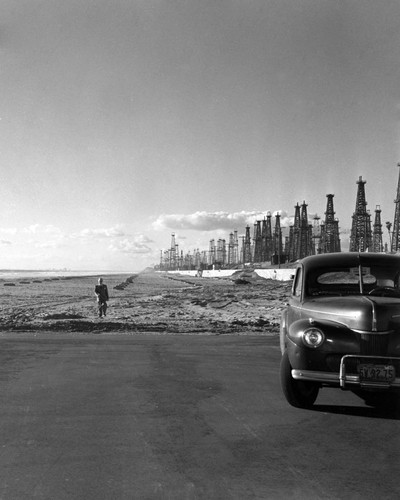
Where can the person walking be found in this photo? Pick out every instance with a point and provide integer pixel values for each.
(101, 292)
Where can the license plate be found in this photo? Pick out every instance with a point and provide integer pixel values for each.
(377, 373)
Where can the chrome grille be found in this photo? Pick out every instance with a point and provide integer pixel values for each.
(371, 344)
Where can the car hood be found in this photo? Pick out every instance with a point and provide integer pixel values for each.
(361, 313)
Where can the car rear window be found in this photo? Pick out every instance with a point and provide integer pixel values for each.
(346, 277)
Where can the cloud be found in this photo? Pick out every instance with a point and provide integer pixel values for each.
(48, 244)
(8, 230)
(112, 232)
(5, 242)
(136, 245)
(41, 229)
(210, 221)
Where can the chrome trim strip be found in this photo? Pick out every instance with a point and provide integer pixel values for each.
(327, 313)
(342, 379)
(374, 318)
(312, 376)
(383, 332)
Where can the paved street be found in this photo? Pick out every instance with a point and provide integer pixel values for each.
(179, 417)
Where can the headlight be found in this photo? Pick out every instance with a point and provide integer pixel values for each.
(313, 337)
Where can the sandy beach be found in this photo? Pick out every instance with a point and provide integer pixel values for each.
(146, 302)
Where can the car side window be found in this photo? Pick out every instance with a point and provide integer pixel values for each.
(297, 284)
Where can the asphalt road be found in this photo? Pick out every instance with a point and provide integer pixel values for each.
(179, 417)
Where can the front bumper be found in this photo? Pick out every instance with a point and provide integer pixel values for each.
(346, 377)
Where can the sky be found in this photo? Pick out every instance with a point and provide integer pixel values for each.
(123, 122)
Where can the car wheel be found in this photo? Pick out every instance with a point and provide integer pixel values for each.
(297, 393)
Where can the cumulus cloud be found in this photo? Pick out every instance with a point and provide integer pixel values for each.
(41, 229)
(210, 221)
(112, 232)
(136, 245)
(48, 244)
(8, 230)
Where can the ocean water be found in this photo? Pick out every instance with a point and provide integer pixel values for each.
(15, 274)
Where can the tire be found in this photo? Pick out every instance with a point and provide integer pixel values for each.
(297, 393)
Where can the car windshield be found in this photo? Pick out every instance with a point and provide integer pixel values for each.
(361, 280)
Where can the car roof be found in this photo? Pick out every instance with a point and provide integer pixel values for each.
(351, 259)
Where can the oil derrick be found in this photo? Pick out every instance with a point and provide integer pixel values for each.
(330, 241)
(321, 238)
(230, 250)
(395, 246)
(247, 246)
(258, 257)
(305, 235)
(180, 263)
(173, 254)
(197, 259)
(289, 251)
(187, 261)
(317, 235)
(264, 241)
(294, 235)
(212, 253)
(361, 235)
(377, 239)
(286, 249)
(233, 249)
(221, 252)
(277, 241)
(242, 251)
(266, 237)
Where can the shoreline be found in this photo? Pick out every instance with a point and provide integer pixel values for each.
(14, 274)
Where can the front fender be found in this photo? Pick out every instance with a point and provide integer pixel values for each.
(338, 338)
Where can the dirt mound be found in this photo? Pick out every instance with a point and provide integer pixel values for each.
(245, 277)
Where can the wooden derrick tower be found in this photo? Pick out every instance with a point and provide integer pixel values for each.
(330, 241)
(396, 222)
(361, 234)
(173, 254)
(264, 255)
(212, 256)
(233, 248)
(377, 238)
(294, 235)
(197, 259)
(305, 234)
(221, 252)
(257, 242)
(316, 236)
(247, 247)
(277, 240)
(266, 235)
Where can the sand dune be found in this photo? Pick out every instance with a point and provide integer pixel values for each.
(148, 302)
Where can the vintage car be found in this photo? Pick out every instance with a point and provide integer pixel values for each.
(341, 328)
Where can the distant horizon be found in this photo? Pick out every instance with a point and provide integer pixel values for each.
(32, 273)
